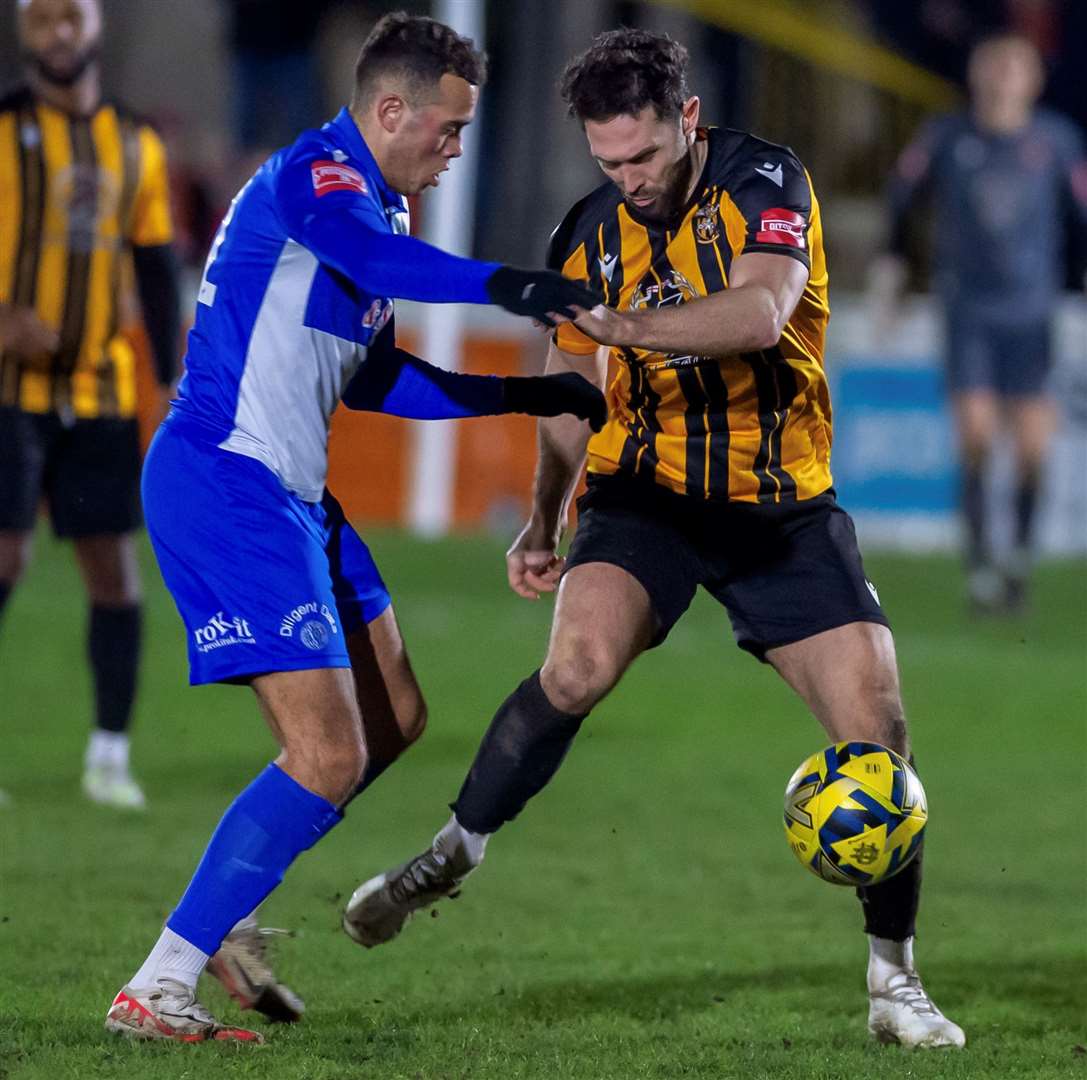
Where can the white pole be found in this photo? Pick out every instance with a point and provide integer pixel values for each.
(450, 218)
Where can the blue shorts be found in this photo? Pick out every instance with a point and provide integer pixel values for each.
(263, 580)
(1011, 358)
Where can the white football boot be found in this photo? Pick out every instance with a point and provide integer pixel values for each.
(241, 965)
(169, 1011)
(111, 786)
(379, 908)
(899, 1009)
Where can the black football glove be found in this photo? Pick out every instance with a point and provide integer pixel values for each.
(553, 395)
(536, 292)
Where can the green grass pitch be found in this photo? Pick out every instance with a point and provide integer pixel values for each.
(643, 918)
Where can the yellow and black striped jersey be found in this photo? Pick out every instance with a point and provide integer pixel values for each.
(76, 194)
(754, 427)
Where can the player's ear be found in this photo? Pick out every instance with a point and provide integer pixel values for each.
(688, 117)
(390, 110)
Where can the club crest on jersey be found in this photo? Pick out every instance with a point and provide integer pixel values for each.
(707, 225)
(330, 176)
(673, 288)
(306, 618)
(779, 226)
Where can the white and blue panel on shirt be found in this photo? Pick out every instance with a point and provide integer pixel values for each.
(280, 326)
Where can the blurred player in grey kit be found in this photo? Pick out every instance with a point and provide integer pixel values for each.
(1008, 182)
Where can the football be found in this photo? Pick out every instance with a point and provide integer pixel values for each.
(855, 813)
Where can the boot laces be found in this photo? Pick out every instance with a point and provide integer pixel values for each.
(906, 989)
(425, 874)
(174, 998)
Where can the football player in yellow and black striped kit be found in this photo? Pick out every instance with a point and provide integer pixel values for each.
(714, 470)
(83, 190)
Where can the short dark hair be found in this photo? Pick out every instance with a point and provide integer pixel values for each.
(418, 51)
(622, 72)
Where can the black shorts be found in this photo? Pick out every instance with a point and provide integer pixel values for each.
(783, 571)
(87, 470)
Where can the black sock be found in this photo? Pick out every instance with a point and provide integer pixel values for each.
(973, 508)
(522, 750)
(890, 908)
(113, 645)
(5, 592)
(1026, 505)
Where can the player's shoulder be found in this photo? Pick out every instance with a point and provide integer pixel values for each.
(1058, 129)
(940, 133)
(738, 159)
(14, 98)
(581, 223)
(755, 173)
(129, 114)
(949, 125)
(327, 161)
(730, 152)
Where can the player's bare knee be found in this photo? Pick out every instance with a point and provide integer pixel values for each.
(578, 679)
(110, 570)
(14, 556)
(332, 768)
(348, 758)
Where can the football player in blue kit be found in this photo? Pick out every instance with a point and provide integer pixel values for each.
(275, 588)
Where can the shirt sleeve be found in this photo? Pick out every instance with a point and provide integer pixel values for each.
(1074, 169)
(910, 179)
(570, 260)
(773, 193)
(157, 281)
(395, 382)
(328, 208)
(151, 225)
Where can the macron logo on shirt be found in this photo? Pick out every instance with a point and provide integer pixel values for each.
(329, 176)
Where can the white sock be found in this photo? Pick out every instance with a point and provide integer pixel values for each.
(454, 835)
(171, 958)
(107, 750)
(248, 923)
(888, 958)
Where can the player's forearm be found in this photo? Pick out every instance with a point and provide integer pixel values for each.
(401, 384)
(562, 443)
(743, 319)
(158, 286)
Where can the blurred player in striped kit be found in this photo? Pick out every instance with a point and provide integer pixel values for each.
(83, 189)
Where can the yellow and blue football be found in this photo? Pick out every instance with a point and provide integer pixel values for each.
(855, 813)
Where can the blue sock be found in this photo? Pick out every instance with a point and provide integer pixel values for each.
(265, 829)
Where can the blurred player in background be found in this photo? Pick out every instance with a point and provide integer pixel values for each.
(1009, 181)
(713, 470)
(276, 590)
(83, 188)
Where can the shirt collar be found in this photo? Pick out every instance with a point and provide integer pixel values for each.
(344, 125)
